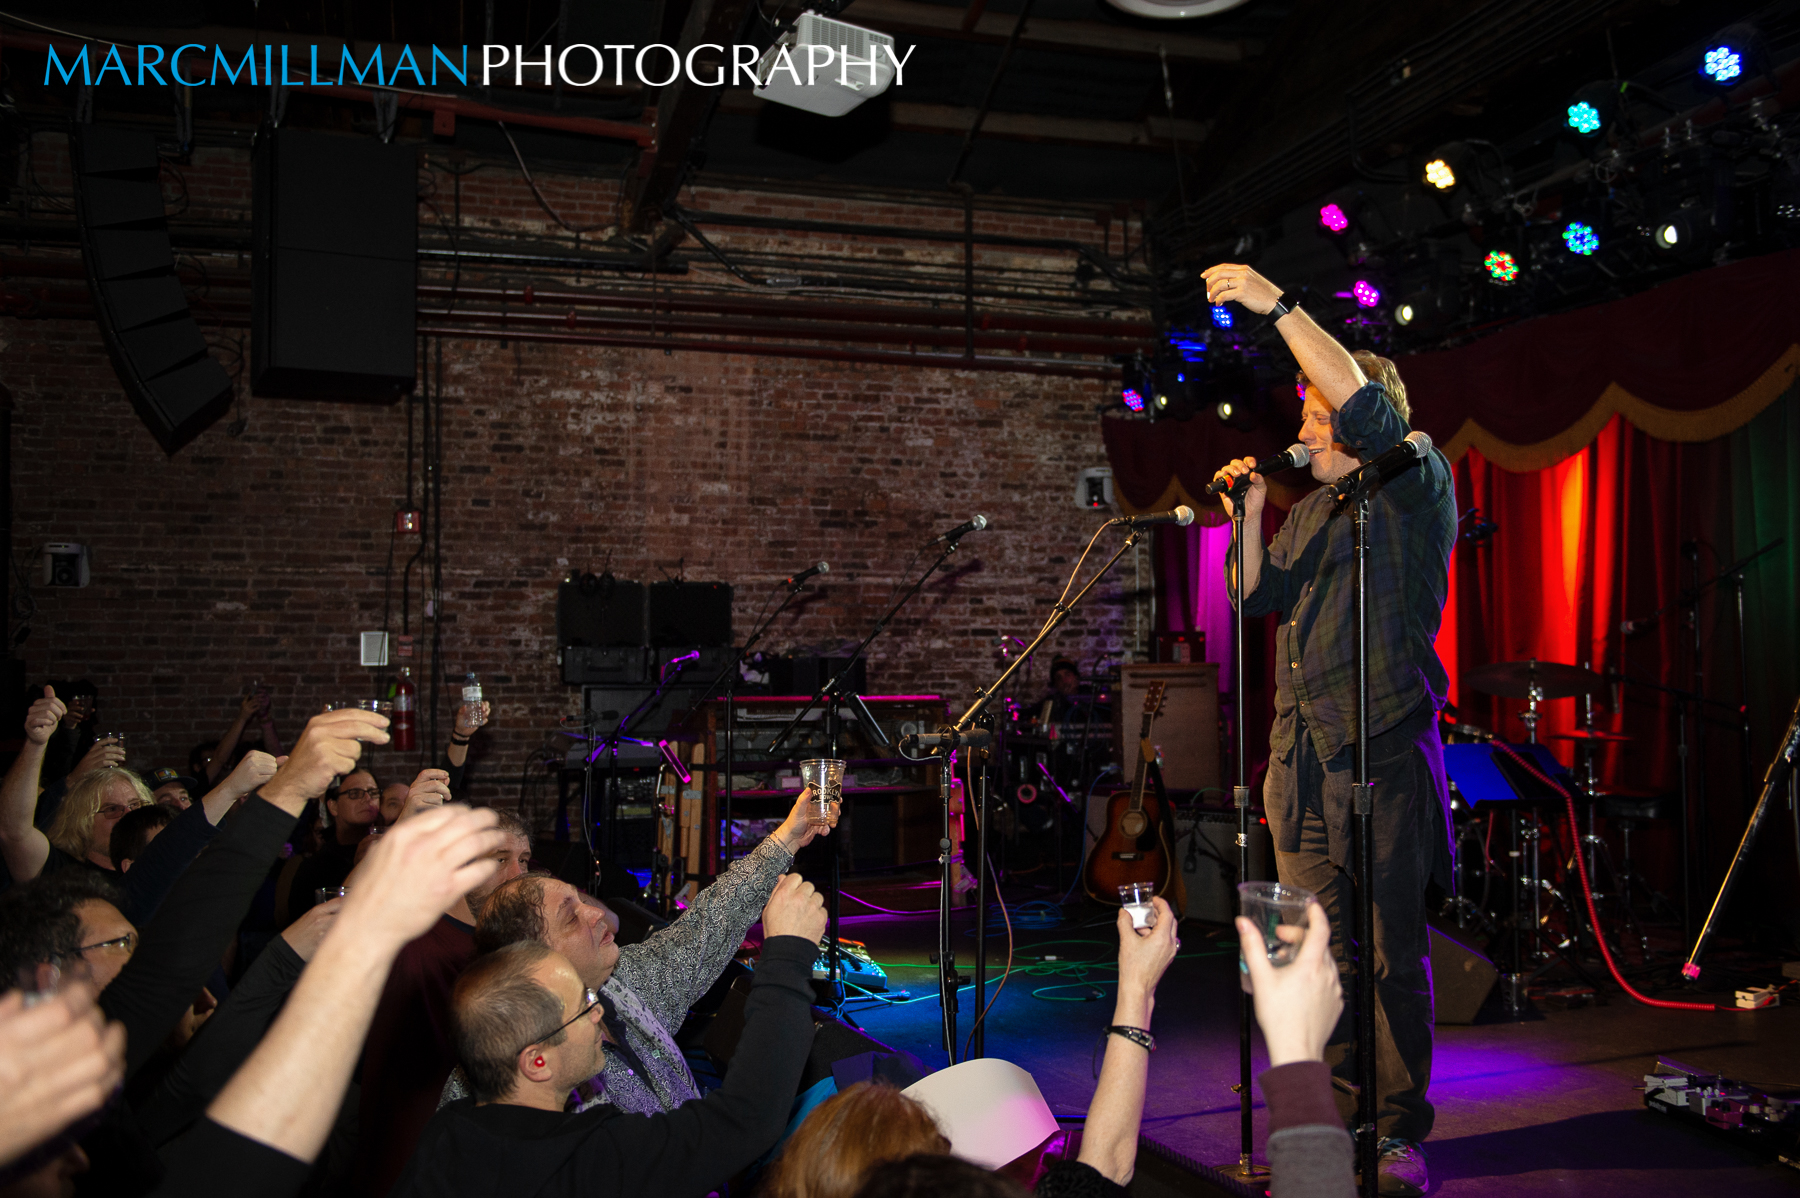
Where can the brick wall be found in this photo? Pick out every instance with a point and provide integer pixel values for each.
(262, 555)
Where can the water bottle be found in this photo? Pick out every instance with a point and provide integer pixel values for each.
(471, 697)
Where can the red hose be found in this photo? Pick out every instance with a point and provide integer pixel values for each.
(1587, 892)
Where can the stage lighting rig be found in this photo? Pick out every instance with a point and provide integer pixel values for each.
(1333, 219)
(1580, 238)
(1732, 56)
(1501, 267)
(1591, 110)
(1366, 294)
(1221, 316)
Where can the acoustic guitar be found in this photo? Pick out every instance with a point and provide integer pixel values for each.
(1135, 846)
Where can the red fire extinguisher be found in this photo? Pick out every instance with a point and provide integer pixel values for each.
(402, 727)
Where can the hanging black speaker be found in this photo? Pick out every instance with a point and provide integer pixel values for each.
(335, 238)
(157, 350)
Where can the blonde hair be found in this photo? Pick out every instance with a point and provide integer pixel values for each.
(73, 827)
(1376, 369)
(844, 1139)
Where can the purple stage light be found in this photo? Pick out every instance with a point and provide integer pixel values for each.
(1333, 218)
(1366, 293)
(1132, 399)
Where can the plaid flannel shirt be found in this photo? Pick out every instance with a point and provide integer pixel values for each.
(1309, 576)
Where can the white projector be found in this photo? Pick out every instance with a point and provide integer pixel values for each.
(825, 66)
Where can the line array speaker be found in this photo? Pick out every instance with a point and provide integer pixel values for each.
(335, 240)
(157, 351)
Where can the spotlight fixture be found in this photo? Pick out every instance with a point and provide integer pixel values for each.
(1366, 293)
(1439, 175)
(1221, 316)
(1667, 235)
(1133, 399)
(1722, 63)
(1501, 266)
(1580, 238)
(1584, 118)
(1404, 313)
(1333, 218)
(1225, 410)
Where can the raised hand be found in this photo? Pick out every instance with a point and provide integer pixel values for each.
(328, 748)
(1144, 953)
(417, 870)
(254, 770)
(305, 933)
(59, 1060)
(794, 908)
(797, 830)
(430, 789)
(1234, 281)
(45, 714)
(1297, 1005)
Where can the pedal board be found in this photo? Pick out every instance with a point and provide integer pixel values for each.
(855, 966)
(1744, 1113)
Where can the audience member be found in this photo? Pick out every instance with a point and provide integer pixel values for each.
(172, 788)
(1297, 1006)
(411, 1050)
(234, 1030)
(149, 988)
(82, 831)
(352, 807)
(209, 762)
(134, 832)
(528, 1029)
(648, 987)
(271, 1119)
(72, 739)
(842, 1140)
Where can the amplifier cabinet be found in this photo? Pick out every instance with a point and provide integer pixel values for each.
(1187, 732)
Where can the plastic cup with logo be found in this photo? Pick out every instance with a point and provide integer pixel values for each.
(826, 777)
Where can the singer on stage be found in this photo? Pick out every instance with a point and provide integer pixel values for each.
(1355, 411)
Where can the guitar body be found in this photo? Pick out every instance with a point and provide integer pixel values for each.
(1135, 848)
(1136, 845)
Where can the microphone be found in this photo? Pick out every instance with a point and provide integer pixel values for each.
(974, 738)
(1287, 459)
(1411, 450)
(675, 663)
(1183, 515)
(961, 530)
(821, 568)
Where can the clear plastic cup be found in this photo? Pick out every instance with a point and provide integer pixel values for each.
(325, 894)
(1279, 913)
(1135, 897)
(826, 777)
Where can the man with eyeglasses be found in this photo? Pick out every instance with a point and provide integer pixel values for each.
(528, 1030)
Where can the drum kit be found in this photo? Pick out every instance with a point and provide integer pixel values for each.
(1548, 915)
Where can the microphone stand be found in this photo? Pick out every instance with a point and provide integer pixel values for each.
(829, 694)
(610, 745)
(729, 675)
(952, 737)
(1356, 493)
(1247, 1169)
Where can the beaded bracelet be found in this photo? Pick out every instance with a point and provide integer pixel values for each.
(1136, 1035)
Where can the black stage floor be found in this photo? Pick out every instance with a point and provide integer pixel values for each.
(1548, 1106)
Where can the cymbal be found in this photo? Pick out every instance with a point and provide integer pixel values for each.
(1513, 679)
(1585, 734)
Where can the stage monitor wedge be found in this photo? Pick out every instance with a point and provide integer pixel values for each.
(334, 259)
(157, 350)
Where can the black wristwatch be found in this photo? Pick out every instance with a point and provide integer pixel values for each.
(1280, 309)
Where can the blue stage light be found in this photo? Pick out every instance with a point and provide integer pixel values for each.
(1581, 239)
(1722, 64)
(1584, 118)
(1221, 316)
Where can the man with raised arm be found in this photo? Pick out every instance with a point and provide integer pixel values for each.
(1308, 575)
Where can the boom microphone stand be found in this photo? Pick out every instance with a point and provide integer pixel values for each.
(828, 693)
(963, 733)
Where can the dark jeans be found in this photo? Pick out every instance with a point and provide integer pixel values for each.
(1406, 765)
